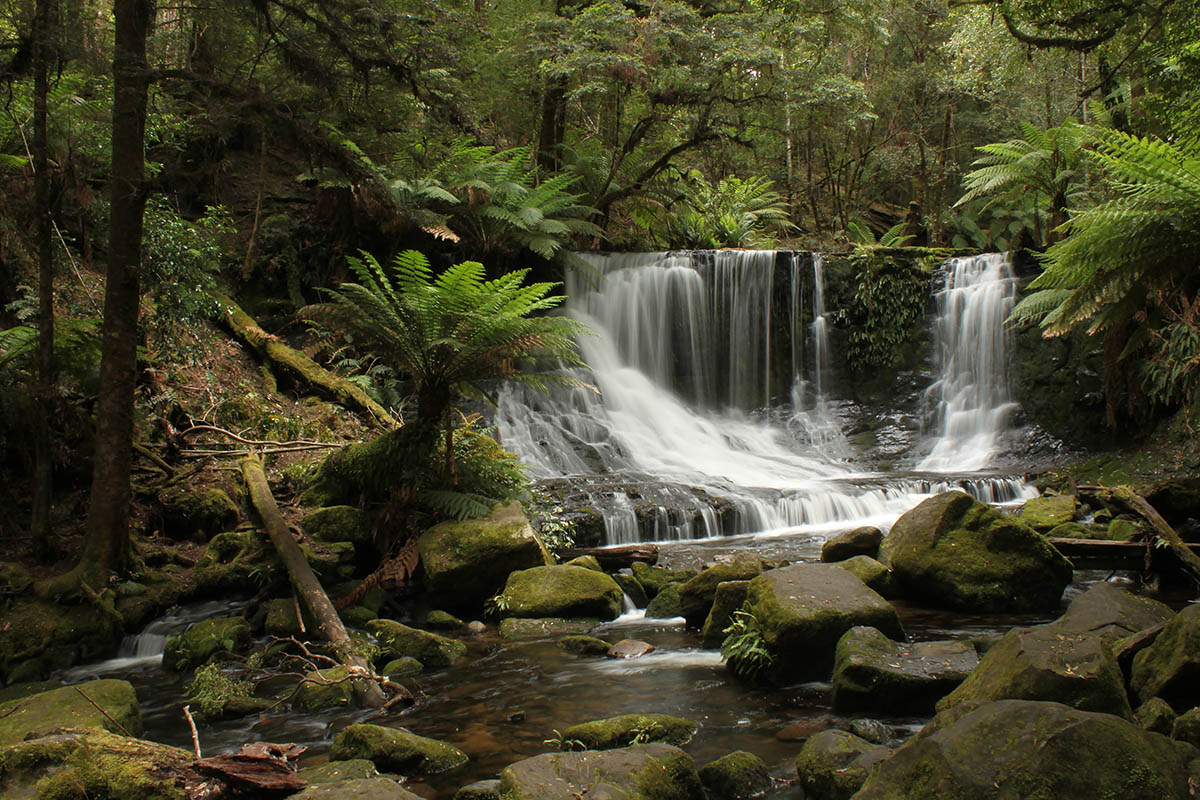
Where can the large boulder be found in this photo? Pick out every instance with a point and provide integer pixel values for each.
(201, 513)
(233, 561)
(1025, 749)
(729, 598)
(1049, 663)
(1170, 667)
(38, 636)
(696, 596)
(642, 772)
(561, 591)
(873, 672)
(956, 552)
(398, 640)
(802, 611)
(195, 646)
(607, 734)
(71, 707)
(466, 561)
(834, 764)
(359, 788)
(862, 541)
(337, 524)
(396, 750)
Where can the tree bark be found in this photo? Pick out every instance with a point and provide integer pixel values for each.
(106, 549)
(43, 470)
(307, 587)
(1141, 506)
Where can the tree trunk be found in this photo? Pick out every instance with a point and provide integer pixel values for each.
(106, 549)
(43, 470)
(554, 111)
(307, 587)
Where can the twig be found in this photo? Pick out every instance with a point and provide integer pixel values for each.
(187, 712)
(255, 442)
(105, 713)
(299, 614)
(153, 456)
(263, 451)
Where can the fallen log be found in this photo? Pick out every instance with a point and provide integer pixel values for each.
(308, 588)
(1141, 506)
(298, 365)
(616, 557)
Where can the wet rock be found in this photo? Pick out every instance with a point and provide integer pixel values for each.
(199, 513)
(1046, 513)
(630, 648)
(326, 688)
(1112, 613)
(1170, 667)
(337, 524)
(38, 637)
(729, 598)
(399, 667)
(606, 734)
(1027, 749)
(442, 621)
(735, 776)
(234, 560)
(696, 596)
(956, 552)
(862, 541)
(1155, 715)
(65, 707)
(282, 621)
(396, 750)
(1047, 663)
(378, 788)
(562, 591)
(802, 729)
(834, 764)
(514, 628)
(643, 772)
(195, 646)
(584, 645)
(632, 588)
(476, 628)
(398, 640)
(1187, 728)
(873, 573)
(666, 604)
(653, 579)
(803, 610)
(357, 616)
(480, 790)
(335, 771)
(872, 730)
(587, 562)
(1123, 530)
(466, 561)
(873, 672)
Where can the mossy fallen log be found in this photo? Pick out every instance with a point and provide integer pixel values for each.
(298, 365)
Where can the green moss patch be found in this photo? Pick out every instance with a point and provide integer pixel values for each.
(396, 750)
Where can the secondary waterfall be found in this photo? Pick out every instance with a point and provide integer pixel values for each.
(699, 425)
(972, 400)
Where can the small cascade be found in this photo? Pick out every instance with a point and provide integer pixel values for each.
(813, 420)
(971, 396)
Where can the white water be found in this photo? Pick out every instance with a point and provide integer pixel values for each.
(973, 404)
(683, 437)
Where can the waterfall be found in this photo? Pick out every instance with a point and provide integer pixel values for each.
(971, 396)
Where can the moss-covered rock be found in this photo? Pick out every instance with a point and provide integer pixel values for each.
(281, 619)
(92, 764)
(337, 524)
(1170, 667)
(696, 596)
(587, 562)
(466, 562)
(479, 790)
(1155, 715)
(803, 610)
(1026, 749)
(956, 552)
(1074, 530)
(622, 731)
(735, 776)
(632, 588)
(205, 639)
(396, 750)
(1186, 728)
(14, 578)
(1048, 512)
(545, 627)
(69, 707)
(873, 672)
(325, 688)
(642, 772)
(38, 637)
(1112, 613)
(442, 621)
(874, 574)
(653, 579)
(199, 513)
(400, 667)
(729, 597)
(666, 603)
(834, 764)
(377, 788)
(234, 562)
(397, 640)
(1122, 530)
(336, 771)
(863, 541)
(357, 616)
(584, 645)
(562, 591)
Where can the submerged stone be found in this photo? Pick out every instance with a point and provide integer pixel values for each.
(584, 645)
(642, 772)
(630, 648)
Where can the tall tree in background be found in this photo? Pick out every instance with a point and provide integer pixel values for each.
(106, 548)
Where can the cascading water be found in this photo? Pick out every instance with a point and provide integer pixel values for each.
(682, 436)
(972, 400)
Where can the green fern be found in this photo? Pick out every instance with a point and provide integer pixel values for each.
(744, 649)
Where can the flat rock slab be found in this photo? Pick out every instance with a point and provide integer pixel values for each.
(1112, 613)
(643, 772)
(359, 789)
(872, 672)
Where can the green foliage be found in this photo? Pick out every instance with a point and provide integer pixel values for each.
(731, 213)
(495, 607)
(547, 516)
(861, 234)
(560, 742)
(888, 311)
(744, 650)
(212, 690)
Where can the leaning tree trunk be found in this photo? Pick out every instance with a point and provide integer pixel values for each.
(106, 548)
(307, 587)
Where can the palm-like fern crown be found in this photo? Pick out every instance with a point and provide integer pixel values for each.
(453, 330)
(1120, 255)
(1045, 161)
